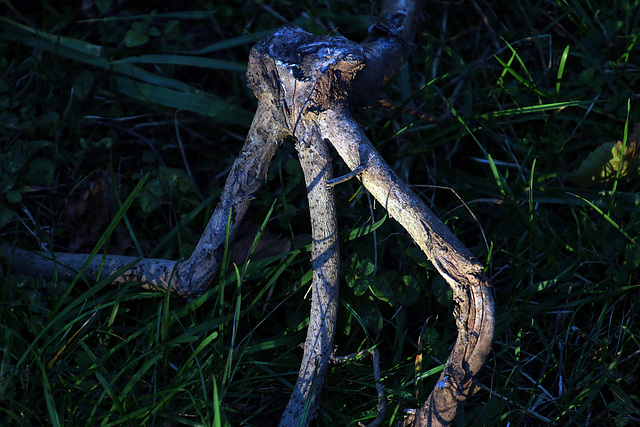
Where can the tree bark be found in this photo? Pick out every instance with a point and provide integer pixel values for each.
(151, 273)
(247, 174)
(325, 259)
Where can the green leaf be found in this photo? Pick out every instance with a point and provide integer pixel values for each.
(148, 201)
(14, 196)
(605, 162)
(176, 179)
(41, 171)
(154, 32)
(82, 84)
(155, 187)
(137, 35)
(6, 182)
(13, 161)
(169, 184)
(370, 313)
(360, 286)
(381, 289)
(407, 291)
(6, 215)
(367, 266)
(442, 291)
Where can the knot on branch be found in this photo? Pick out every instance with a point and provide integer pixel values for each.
(303, 72)
(391, 26)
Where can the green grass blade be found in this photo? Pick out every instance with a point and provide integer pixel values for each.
(217, 413)
(606, 217)
(501, 182)
(112, 394)
(152, 88)
(528, 84)
(561, 66)
(200, 103)
(186, 15)
(63, 311)
(364, 230)
(534, 109)
(187, 364)
(233, 42)
(54, 417)
(192, 61)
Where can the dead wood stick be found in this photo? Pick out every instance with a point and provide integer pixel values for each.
(325, 259)
(377, 377)
(150, 273)
(247, 174)
(472, 294)
(308, 75)
(283, 102)
(191, 277)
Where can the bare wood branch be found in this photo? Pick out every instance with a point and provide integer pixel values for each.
(191, 277)
(385, 49)
(325, 258)
(150, 273)
(472, 294)
(247, 174)
(310, 75)
(377, 377)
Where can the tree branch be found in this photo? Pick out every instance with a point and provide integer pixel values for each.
(474, 311)
(191, 277)
(151, 273)
(325, 259)
(247, 174)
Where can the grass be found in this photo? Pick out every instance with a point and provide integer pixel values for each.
(528, 99)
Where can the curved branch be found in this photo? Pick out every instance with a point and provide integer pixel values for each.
(385, 49)
(247, 174)
(191, 277)
(474, 310)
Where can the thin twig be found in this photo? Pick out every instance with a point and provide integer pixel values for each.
(377, 376)
(381, 408)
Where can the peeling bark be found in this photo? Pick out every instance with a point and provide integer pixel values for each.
(312, 76)
(247, 174)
